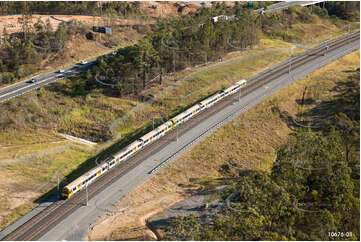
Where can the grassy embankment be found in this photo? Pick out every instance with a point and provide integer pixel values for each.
(251, 141)
(30, 120)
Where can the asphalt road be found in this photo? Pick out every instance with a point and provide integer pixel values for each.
(76, 225)
(22, 87)
(285, 5)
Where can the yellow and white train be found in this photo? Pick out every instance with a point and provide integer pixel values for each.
(146, 139)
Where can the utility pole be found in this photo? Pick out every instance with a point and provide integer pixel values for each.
(173, 61)
(86, 190)
(57, 176)
(177, 133)
(290, 61)
(326, 49)
(289, 67)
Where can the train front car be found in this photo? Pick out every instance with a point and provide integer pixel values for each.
(66, 193)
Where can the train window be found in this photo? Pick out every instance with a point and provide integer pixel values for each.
(104, 168)
(74, 189)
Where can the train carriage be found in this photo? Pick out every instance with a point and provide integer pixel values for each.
(207, 103)
(148, 138)
(128, 151)
(84, 180)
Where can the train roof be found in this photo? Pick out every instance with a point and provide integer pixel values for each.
(83, 177)
(242, 81)
(125, 149)
(207, 100)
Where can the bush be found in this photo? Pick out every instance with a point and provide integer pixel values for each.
(25, 70)
(7, 77)
(305, 15)
(321, 12)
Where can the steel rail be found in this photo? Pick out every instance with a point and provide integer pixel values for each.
(35, 227)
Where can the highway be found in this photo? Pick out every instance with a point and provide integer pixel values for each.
(23, 87)
(71, 220)
(285, 5)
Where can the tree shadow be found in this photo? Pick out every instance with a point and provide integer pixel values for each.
(325, 113)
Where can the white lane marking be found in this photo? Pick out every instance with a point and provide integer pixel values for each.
(26, 87)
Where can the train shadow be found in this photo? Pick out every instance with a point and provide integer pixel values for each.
(111, 150)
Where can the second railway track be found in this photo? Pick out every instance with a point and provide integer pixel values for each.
(35, 227)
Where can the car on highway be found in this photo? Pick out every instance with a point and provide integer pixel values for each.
(83, 62)
(32, 80)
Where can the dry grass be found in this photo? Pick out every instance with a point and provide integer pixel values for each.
(31, 175)
(204, 162)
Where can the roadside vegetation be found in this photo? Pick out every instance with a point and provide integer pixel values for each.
(39, 46)
(82, 107)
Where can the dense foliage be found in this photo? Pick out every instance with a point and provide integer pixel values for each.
(313, 188)
(22, 53)
(181, 42)
(177, 43)
(73, 8)
(346, 10)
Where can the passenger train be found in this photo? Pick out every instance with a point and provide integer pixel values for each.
(147, 139)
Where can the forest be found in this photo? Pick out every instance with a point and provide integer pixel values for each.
(124, 9)
(312, 190)
(176, 44)
(22, 52)
(193, 39)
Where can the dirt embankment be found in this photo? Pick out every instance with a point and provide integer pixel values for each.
(151, 9)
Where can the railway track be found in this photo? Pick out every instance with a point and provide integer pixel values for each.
(34, 228)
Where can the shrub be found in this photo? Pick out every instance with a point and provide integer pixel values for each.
(7, 77)
(25, 70)
(321, 12)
